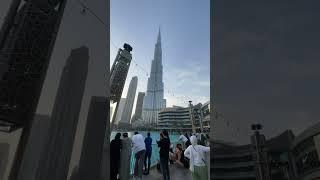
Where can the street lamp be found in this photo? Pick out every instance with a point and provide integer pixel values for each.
(191, 117)
(256, 128)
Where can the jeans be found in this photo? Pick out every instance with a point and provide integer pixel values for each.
(164, 165)
(147, 157)
(138, 166)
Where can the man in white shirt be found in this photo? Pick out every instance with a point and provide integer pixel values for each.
(139, 149)
(185, 140)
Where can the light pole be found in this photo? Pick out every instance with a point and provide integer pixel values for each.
(191, 117)
(201, 120)
(256, 128)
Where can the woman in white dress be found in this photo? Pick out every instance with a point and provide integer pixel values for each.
(198, 164)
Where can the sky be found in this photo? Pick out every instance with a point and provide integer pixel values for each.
(185, 35)
(266, 67)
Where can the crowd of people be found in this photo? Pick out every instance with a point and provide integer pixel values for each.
(189, 153)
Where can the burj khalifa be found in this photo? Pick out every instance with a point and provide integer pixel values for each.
(154, 100)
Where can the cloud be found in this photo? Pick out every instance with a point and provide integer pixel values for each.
(184, 100)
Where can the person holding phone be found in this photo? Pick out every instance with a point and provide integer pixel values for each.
(164, 145)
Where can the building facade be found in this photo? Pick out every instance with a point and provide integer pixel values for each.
(64, 117)
(241, 162)
(119, 71)
(92, 147)
(119, 111)
(127, 110)
(175, 119)
(154, 100)
(201, 117)
(24, 59)
(4, 155)
(138, 111)
(35, 146)
(282, 157)
(306, 153)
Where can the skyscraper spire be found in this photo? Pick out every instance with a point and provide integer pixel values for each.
(159, 35)
(154, 101)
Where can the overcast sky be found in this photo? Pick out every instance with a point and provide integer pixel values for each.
(266, 66)
(185, 34)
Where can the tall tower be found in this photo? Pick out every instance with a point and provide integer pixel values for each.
(138, 112)
(64, 117)
(119, 111)
(153, 101)
(127, 111)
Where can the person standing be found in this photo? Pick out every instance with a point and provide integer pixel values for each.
(198, 164)
(148, 143)
(188, 143)
(125, 157)
(183, 139)
(115, 151)
(139, 149)
(164, 145)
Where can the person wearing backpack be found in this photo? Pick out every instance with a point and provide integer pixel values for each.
(196, 154)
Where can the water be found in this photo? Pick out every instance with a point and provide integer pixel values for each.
(155, 135)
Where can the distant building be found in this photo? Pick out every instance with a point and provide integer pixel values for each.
(178, 118)
(306, 153)
(92, 147)
(119, 71)
(240, 162)
(120, 110)
(282, 157)
(138, 112)
(202, 115)
(175, 119)
(35, 146)
(127, 110)
(56, 157)
(154, 100)
(4, 154)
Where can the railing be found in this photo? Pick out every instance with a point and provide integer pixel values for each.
(154, 156)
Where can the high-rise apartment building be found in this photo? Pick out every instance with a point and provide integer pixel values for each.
(119, 111)
(138, 111)
(127, 110)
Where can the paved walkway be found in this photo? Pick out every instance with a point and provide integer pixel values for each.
(176, 173)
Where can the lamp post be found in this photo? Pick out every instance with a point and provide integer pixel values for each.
(191, 117)
(256, 128)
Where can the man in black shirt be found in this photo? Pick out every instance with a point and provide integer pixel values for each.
(164, 145)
